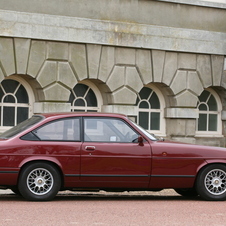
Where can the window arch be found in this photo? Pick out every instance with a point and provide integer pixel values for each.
(85, 97)
(15, 102)
(150, 110)
(209, 107)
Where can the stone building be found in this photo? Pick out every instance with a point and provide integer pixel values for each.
(162, 63)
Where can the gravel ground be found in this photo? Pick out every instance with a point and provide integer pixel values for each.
(166, 192)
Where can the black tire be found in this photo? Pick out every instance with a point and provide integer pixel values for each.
(186, 192)
(39, 181)
(211, 183)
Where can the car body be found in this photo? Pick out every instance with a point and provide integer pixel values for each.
(103, 151)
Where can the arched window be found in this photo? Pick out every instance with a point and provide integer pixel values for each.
(209, 107)
(15, 104)
(150, 111)
(83, 98)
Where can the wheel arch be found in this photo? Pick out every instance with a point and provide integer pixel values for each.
(208, 163)
(55, 164)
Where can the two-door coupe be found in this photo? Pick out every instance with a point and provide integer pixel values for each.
(99, 151)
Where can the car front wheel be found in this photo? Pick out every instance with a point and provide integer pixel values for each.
(211, 183)
(39, 181)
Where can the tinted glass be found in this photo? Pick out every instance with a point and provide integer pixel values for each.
(155, 121)
(145, 93)
(212, 122)
(83, 98)
(8, 116)
(22, 114)
(60, 130)
(21, 95)
(203, 97)
(144, 104)
(143, 120)
(9, 99)
(202, 122)
(212, 104)
(79, 102)
(1, 93)
(154, 101)
(203, 107)
(91, 99)
(10, 85)
(108, 130)
(80, 90)
(71, 98)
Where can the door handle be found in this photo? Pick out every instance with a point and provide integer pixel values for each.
(90, 148)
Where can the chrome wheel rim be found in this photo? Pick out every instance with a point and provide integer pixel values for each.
(40, 181)
(215, 182)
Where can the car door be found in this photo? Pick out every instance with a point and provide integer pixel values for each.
(111, 155)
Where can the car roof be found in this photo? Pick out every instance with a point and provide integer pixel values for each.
(74, 114)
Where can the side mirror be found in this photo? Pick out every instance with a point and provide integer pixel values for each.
(141, 141)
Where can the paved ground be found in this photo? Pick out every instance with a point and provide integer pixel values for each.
(164, 208)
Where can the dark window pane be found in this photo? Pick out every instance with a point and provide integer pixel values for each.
(155, 121)
(71, 98)
(202, 107)
(144, 104)
(154, 101)
(91, 99)
(143, 120)
(145, 93)
(212, 104)
(212, 122)
(78, 110)
(137, 101)
(22, 114)
(29, 136)
(1, 94)
(21, 95)
(80, 90)
(9, 99)
(203, 97)
(8, 116)
(202, 122)
(10, 85)
(79, 103)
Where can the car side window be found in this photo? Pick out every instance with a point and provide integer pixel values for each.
(108, 130)
(60, 130)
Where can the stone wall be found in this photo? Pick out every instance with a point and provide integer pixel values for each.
(120, 46)
(54, 68)
(161, 25)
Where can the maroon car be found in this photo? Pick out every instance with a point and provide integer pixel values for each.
(100, 151)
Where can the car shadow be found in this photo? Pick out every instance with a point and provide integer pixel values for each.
(121, 197)
(105, 196)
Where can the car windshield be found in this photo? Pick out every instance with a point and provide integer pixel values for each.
(21, 127)
(149, 135)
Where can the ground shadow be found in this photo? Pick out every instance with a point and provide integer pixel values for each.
(104, 196)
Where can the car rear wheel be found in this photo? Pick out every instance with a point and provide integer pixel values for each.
(186, 192)
(39, 182)
(211, 183)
